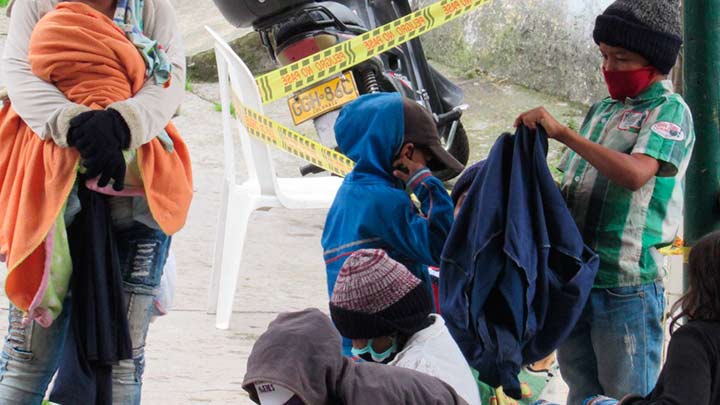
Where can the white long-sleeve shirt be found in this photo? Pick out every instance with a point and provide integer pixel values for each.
(48, 112)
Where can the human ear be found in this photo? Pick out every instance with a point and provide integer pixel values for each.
(407, 150)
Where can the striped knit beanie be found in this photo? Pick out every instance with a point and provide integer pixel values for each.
(651, 28)
(376, 296)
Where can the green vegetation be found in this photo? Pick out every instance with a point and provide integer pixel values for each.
(218, 108)
(4, 3)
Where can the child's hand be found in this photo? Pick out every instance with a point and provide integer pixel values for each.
(540, 116)
(405, 163)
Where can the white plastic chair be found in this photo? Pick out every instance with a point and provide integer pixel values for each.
(262, 189)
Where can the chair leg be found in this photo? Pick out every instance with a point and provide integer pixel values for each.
(219, 250)
(238, 214)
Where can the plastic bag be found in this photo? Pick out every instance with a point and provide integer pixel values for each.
(166, 294)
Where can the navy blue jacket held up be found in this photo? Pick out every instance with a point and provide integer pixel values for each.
(515, 273)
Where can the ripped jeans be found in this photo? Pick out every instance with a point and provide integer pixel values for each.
(31, 354)
(616, 346)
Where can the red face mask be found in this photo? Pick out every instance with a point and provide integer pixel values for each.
(629, 83)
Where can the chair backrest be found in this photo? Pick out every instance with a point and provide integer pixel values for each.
(234, 76)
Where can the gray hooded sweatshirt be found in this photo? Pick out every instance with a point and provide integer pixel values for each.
(301, 351)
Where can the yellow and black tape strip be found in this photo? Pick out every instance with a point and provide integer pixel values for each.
(286, 139)
(315, 68)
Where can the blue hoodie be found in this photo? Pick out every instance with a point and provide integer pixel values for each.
(371, 208)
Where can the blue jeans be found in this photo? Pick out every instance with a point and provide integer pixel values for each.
(616, 346)
(31, 354)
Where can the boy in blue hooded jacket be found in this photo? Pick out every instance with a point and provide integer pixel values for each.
(393, 141)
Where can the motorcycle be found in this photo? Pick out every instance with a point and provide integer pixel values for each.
(291, 30)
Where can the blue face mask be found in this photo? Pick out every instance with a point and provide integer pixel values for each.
(369, 354)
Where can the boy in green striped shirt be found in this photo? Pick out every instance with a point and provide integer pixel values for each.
(623, 182)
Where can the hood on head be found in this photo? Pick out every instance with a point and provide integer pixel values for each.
(300, 351)
(370, 132)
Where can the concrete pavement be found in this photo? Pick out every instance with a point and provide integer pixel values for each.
(194, 15)
(189, 361)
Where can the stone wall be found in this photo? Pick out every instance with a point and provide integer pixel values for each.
(545, 45)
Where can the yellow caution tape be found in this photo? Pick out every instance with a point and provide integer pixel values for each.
(315, 68)
(286, 139)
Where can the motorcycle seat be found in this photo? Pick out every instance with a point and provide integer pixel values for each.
(315, 18)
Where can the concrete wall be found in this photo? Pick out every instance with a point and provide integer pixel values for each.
(545, 45)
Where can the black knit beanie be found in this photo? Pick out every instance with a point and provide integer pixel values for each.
(651, 28)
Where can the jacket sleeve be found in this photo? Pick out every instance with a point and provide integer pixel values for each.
(686, 377)
(419, 235)
(151, 109)
(48, 112)
(40, 104)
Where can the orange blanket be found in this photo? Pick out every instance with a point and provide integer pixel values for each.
(85, 55)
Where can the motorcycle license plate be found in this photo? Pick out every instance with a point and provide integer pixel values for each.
(322, 98)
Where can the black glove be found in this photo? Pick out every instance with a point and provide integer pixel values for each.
(100, 136)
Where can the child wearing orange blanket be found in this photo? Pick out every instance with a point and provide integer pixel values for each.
(93, 181)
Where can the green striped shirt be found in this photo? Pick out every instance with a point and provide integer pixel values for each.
(626, 228)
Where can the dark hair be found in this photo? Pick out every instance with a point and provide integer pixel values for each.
(702, 299)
